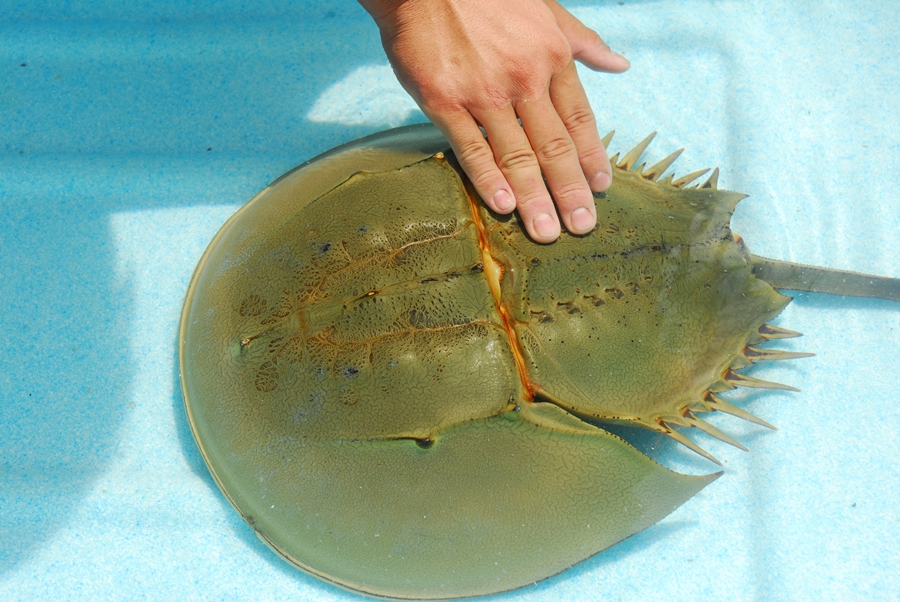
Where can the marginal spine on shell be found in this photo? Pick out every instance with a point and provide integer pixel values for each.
(730, 378)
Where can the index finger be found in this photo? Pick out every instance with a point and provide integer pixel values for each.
(477, 159)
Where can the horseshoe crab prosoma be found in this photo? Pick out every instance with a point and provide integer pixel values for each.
(402, 394)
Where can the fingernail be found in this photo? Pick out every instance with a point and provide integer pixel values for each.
(627, 62)
(600, 181)
(504, 202)
(545, 226)
(582, 220)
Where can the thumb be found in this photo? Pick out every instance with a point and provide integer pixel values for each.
(587, 46)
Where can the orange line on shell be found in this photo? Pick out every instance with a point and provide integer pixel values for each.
(493, 271)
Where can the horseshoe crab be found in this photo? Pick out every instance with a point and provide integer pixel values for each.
(404, 395)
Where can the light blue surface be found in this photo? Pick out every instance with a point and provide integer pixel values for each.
(134, 130)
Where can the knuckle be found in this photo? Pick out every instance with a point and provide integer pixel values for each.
(433, 98)
(560, 55)
(593, 159)
(530, 87)
(556, 148)
(517, 160)
(526, 81)
(478, 163)
(578, 117)
(534, 201)
(592, 38)
(493, 99)
(474, 152)
(571, 194)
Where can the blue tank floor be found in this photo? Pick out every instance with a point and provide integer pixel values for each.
(131, 131)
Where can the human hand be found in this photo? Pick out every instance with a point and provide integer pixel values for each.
(491, 63)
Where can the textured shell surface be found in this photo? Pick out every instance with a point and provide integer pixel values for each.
(405, 396)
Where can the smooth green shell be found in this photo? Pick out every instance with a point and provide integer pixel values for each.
(385, 423)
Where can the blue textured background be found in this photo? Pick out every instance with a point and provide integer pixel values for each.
(130, 131)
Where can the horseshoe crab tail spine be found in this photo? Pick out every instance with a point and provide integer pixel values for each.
(799, 277)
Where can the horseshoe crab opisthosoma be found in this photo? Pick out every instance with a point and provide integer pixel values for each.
(402, 394)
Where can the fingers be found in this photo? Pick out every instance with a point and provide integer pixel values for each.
(559, 138)
(596, 55)
(519, 163)
(506, 173)
(477, 160)
(587, 46)
(557, 154)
